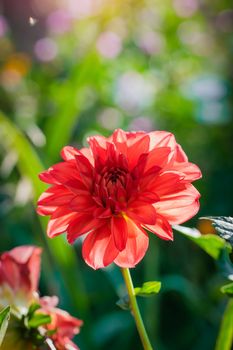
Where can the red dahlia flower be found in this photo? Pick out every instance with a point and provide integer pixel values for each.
(118, 189)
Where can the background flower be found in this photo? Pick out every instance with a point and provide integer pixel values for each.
(64, 325)
(116, 190)
(19, 277)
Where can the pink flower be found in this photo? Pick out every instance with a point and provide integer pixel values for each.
(63, 323)
(118, 189)
(19, 274)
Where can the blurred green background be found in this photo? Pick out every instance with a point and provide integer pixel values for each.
(70, 69)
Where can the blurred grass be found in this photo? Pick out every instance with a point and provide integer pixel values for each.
(63, 255)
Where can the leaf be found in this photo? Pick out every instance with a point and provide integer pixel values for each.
(32, 309)
(211, 244)
(38, 320)
(4, 320)
(148, 289)
(123, 303)
(224, 226)
(227, 289)
(225, 265)
(225, 337)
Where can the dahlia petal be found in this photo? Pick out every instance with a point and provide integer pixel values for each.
(97, 140)
(191, 171)
(56, 195)
(145, 197)
(119, 231)
(180, 156)
(167, 183)
(85, 169)
(81, 224)
(137, 148)
(118, 135)
(139, 168)
(76, 186)
(44, 210)
(102, 213)
(120, 140)
(64, 171)
(158, 156)
(59, 221)
(161, 228)
(88, 154)
(134, 136)
(99, 249)
(46, 177)
(69, 152)
(98, 146)
(179, 207)
(143, 214)
(82, 203)
(136, 247)
(162, 139)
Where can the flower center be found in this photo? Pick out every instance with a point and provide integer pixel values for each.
(110, 188)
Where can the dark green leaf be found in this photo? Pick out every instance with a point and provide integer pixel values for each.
(224, 226)
(38, 320)
(211, 244)
(123, 303)
(225, 265)
(4, 320)
(227, 289)
(148, 289)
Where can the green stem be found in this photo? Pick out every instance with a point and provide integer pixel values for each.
(135, 310)
(225, 336)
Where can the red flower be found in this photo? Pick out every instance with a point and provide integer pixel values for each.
(64, 325)
(19, 274)
(116, 190)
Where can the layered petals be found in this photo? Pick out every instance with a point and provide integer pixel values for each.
(136, 246)
(161, 228)
(179, 207)
(115, 190)
(99, 248)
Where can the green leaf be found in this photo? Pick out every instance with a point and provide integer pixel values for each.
(123, 303)
(148, 289)
(38, 320)
(211, 244)
(225, 337)
(227, 289)
(4, 320)
(224, 226)
(32, 309)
